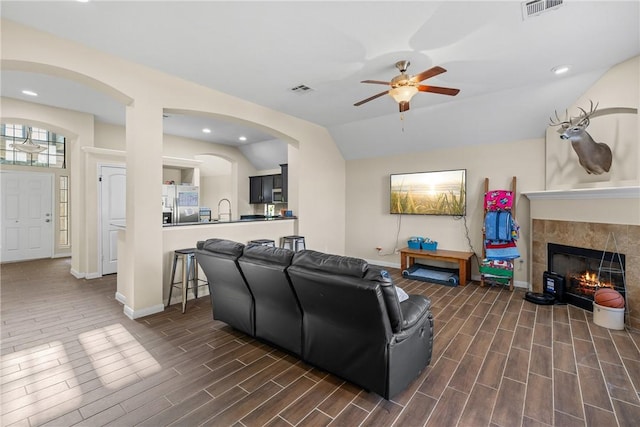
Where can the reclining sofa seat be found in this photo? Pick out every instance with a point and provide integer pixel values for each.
(354, 325)
(231, 298)
(278, 318)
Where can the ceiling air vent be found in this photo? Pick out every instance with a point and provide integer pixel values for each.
(300, 89)
(536, 7)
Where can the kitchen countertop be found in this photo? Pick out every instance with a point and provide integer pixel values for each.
(235, 221)
(120, 224)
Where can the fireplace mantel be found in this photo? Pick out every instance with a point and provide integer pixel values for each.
(586, 193)
(612, 205)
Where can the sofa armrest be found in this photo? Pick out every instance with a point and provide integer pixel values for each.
(414, 309)
(418, 317)
(411, 349)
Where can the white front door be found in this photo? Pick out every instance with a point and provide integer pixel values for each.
(113, 185)
(26, 216)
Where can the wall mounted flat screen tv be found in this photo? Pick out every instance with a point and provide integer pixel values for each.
(429, 193)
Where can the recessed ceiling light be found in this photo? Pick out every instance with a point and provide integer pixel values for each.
(206, 130)
(82, 1)
(560, 69)
(242, 138)
(29, 92)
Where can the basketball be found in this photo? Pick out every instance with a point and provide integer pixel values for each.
(608, 297)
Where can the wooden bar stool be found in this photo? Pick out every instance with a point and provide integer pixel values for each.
(189, 274)
(295, 243)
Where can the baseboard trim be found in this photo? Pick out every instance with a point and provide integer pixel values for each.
(520, 284)
(516, 283)
(383, 263)
(62, 255)
(77, 274)
(177, 299)
(136, 314)
(89, 276)
(121, 298)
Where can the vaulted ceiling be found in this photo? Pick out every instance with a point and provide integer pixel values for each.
(258, 51)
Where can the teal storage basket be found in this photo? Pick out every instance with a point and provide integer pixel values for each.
(429, 245)
(415, 242)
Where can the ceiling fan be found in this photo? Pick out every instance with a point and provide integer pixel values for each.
(403, 87)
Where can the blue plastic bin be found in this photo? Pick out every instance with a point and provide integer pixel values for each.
(429, 246)
(415, 242)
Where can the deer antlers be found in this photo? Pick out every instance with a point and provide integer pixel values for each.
(584, 117)
(582, 120)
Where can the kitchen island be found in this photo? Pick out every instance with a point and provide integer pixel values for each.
(181, 236)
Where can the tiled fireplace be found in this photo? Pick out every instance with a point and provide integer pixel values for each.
(586, 271)
(586, 218)
(591, 236)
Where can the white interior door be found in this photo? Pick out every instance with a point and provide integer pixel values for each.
(26, 216)
(113, 183)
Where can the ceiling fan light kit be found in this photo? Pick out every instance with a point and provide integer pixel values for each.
(403, 93)
(403, 87)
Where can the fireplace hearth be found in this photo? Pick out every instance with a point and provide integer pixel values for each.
(585, 271)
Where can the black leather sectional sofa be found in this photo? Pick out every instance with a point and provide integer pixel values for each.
(334, 312)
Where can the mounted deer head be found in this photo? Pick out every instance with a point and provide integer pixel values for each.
(595, 157)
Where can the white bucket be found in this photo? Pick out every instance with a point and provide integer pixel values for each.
(608, 317)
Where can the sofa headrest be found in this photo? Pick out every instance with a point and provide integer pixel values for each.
(222, 246)
(328, 263)
(279, 256)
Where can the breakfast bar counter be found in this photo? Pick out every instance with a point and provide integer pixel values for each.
(236, 221)
(181, 236)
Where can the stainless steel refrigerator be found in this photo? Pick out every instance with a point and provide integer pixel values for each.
(183, 201)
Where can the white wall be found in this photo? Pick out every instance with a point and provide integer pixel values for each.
(110, 136)
(370, 225)
(619, 87)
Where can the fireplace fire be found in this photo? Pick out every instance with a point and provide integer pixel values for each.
(588, 283)
(585, 271)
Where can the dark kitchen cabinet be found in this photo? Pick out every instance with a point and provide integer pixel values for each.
(277, 181)
(285, 182)
(261, 189)
(255, 189)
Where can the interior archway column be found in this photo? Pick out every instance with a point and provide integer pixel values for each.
(142, 281)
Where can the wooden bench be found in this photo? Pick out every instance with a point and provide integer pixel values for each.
(463, 259)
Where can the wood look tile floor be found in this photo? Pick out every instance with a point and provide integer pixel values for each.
(71, 357)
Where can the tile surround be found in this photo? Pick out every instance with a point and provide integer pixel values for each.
(590, 235)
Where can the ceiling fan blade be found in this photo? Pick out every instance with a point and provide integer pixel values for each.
(371, 98)
(404, 106)
(440, 90)
(431, 72)
(378, 82)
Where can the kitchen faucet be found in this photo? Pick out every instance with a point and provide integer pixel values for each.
(220, 214)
